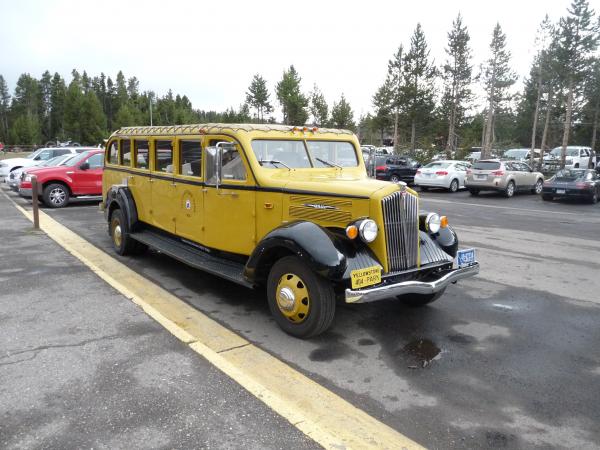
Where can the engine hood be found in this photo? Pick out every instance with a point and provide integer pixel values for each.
(23, 162)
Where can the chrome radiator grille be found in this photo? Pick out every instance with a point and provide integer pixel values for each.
(401, 222)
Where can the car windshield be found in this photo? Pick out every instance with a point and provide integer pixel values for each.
(54, 161)
(438, 165)
(76, 159)
(34, 154)
(515, 153)
(570, 175)
(487, 165)
(278, 154)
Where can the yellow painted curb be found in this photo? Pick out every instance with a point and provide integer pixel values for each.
(319, 413)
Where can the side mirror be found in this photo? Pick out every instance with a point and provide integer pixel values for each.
(37, 158)
(85, 166)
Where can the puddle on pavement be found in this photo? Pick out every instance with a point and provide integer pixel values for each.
(421, 352)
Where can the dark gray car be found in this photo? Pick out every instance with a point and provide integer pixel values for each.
(581, 183)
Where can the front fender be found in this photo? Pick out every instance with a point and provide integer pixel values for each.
(321, 249)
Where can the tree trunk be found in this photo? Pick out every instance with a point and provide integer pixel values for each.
(594, 132)
(544, 144)
(489, 127)
(567, 129)
(535, 118)
(396, 137)
(413, 136)
(451, 127)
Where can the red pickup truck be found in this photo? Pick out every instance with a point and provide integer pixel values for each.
(80, 177)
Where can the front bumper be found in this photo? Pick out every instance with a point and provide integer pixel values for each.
(410, 287)
(25, 192)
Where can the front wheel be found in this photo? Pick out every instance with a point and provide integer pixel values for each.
(395, 178)
(418, 300)
(453, 186)
(539, 186)
(302, 302)
(547, 198)
(423, 188)
(594, 198)
(474, 192)
(119, 233)
(56, 195)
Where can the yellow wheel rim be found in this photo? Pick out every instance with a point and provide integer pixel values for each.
(292, 298)
(116, 232)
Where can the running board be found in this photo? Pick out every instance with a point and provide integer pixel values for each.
(173, 247)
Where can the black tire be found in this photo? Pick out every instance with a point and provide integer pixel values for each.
(453, 186)
(593, 198)
(423, 188)
(320, 298)
(510, 189)
(539, 186)
(419, 300)
(576, 166)
(118, 230)
(474, 192)
(394, 178)
(547, 198)
(56, 195)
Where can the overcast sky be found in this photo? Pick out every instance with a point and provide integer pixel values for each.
(210, 50)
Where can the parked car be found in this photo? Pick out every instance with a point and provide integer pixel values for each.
(506, 177)
(445, 174)
(521, 154)
(577, 157)
(14, 178)
(40, 155)
(581, 183)
(79, 177)
(396, 168)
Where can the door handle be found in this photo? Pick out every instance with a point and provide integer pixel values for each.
(130, 177)
(232, 194)
(150, 180)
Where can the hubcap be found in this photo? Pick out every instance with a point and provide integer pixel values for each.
(510, 189)
(292, 298)
(57, 196)
(538, 188)
(117, 233)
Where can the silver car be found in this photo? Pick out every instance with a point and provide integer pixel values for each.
(506, 177)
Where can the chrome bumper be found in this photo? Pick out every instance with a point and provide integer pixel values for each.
(410, 287)
(24, 192)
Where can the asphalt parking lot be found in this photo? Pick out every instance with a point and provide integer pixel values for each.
(509, 359)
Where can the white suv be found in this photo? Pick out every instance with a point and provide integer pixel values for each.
(35, 158)
(577, 157)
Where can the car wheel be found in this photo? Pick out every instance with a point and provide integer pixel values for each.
(539, 186)
(56, 195)
(453, 186)
(594, 198)
(418, 300)
(423, 188)
(576, 166)
(474, 192)
(302, 302)
(394, 178)
(119, 233)
(547, 198)
(510, 189)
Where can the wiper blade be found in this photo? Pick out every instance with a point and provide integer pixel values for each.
(274, 161)
(329, 163)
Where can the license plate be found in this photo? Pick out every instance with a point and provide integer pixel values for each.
(481, 177)
(465, 258)
(365, 277)
(560, 191)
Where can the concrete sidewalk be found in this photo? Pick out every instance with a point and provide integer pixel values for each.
(82, 366)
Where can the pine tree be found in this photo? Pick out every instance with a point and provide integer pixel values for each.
(58, 92)
(457, 78)
(497, 79)
(395, 83)
(25, 111)
(258, 97)
(44, 105)
(383, 102)
(578, 41)
(74, 100)
(318, 107)
(92, 120)
(4, 109)
(292, 101)
(592, 96)
(342, 115)
(419, 88)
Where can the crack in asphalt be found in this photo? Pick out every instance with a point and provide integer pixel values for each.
(37, 350)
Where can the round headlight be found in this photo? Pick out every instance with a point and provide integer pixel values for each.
(433, 222)
(368, 230)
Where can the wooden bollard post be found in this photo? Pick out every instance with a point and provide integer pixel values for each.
(34, 200)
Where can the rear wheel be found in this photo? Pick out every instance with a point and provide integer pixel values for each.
(539, 186)
(394, 178)
(424, 188)
(594, 198)
(418, 300)
(474, 192)
(453, 186)
(119, 233)
(56, 195)
(510, 189)
(302, 302)
(547, 198)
